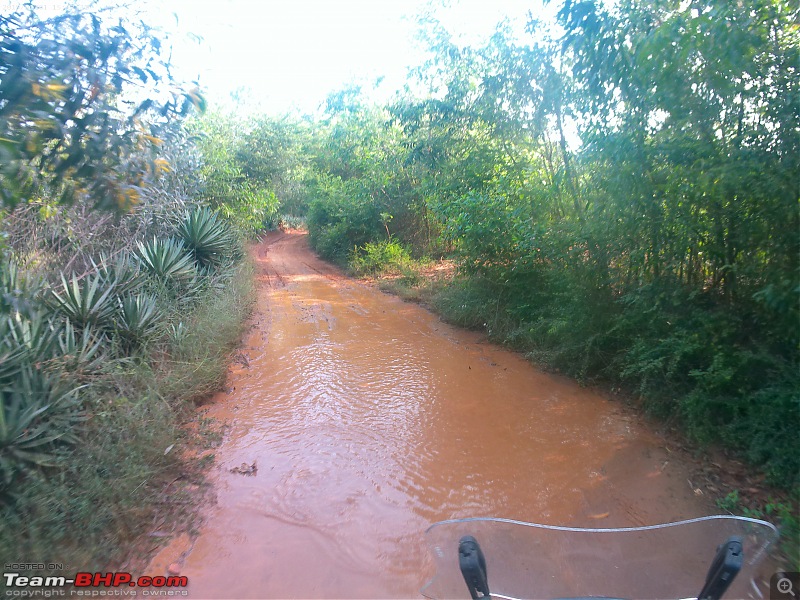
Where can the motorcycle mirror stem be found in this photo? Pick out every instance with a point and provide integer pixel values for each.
(473, 567)
(726, 565)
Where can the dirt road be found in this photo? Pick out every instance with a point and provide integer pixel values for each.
(356, 420)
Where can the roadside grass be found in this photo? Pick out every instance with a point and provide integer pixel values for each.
(395, 271)
(104, 495)
(201, 344)
(132, 480)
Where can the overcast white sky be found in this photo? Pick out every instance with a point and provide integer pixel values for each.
(291, 53)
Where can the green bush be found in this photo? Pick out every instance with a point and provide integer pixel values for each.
(765, 430)
(387, 256)
(246, 199)
(288, 222)
(340, 218)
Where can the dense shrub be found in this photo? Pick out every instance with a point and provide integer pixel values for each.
(341, 218)
(386, 256)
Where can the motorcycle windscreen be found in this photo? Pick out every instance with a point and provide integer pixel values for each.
(527, 560)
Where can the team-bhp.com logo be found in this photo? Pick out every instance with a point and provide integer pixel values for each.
(92, 584)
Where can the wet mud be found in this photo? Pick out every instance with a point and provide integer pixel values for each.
(355, 420)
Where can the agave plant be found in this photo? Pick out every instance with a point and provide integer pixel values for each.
(32, 336)
(86, 302)
(9, 286)
(123, 273)
(206, 237)
(178, 334)
(13, 356)
(80, 350)
(24, 341)
(167, 260)
(17, 292)
(37, 421)
(137, 318)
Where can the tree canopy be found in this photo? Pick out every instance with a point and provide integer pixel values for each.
(86, 97)
(621, 189)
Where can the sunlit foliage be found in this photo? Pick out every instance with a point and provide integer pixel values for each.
(621, 195)
(85, 96)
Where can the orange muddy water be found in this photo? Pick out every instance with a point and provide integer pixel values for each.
(368, 419)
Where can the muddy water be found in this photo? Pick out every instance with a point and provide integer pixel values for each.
(368, 419)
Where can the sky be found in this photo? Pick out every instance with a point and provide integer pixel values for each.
(289, 54)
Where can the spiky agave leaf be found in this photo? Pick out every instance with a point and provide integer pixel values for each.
(12, 355)
(35, 335)
(137, 318)
(86, 302)
(24, 340)
(81, 350)
(167, 260)
(18, 292)
(205, 236)
(123, 273)
(37, 421)
(178, 333)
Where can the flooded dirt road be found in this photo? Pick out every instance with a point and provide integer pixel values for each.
(368, 419)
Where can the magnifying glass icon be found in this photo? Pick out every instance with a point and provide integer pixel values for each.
(785, 587)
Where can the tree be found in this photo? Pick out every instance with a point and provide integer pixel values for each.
(83, 98)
